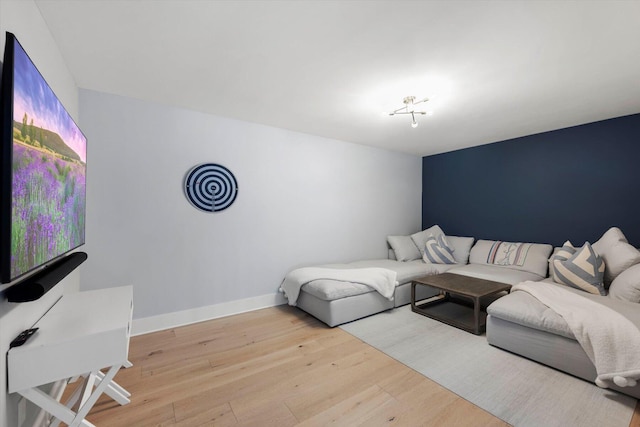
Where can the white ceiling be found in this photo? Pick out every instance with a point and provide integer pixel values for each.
(498, 69)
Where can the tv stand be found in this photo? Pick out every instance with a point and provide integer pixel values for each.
(81, 334)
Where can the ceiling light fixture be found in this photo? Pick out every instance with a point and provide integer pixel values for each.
(409, 108)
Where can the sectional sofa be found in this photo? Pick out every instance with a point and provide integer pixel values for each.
(516, 322)
(337, 302)
(523, 325)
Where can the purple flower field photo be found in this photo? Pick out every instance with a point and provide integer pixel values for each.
(48, 207)
(48, 172)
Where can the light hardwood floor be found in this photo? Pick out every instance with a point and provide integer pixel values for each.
(276, 367)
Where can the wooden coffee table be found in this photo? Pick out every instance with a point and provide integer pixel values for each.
(459, 301)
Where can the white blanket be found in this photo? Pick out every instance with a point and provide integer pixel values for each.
(611, 341)
(380, 279)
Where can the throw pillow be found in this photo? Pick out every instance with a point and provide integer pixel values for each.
(461, 247)
(438, 251)
(420, 238)
(627, 285)
(584, 270)
(404, 248)
(617, 253)
(550, 261)
(609, 238)
(508, 253)
(531, 257)
(563, 254)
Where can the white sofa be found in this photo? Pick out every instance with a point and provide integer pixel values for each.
(516, 322)
(335, 303)
(521, 324)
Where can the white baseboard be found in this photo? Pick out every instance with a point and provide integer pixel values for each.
(200, 314)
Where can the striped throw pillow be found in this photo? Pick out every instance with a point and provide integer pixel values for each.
(438, 251)
(584, 270)
(565, 252)
(508, 253)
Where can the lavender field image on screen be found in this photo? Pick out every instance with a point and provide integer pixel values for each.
(48, 207)
(48, 173)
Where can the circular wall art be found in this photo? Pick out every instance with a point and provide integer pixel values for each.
(211, 187)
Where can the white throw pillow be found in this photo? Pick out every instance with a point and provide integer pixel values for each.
(609, 238)
(617, 253)
(461, 248)
(404, 248)
(627, 285)
(420, 238)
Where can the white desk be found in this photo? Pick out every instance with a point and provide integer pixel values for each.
(81, 334)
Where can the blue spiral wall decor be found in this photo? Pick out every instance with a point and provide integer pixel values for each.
(211, 187)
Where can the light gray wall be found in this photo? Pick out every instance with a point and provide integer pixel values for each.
(302, 200)
(23, 19)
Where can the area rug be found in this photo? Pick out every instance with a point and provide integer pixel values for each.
(521, 392)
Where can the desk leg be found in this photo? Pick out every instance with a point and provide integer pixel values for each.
(52, 406)
(91, 400)
(87, 388)
(78, 398)
(115, 390)
(82, 392)
(87, 399)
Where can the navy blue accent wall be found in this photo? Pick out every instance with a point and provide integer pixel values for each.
(569, 184)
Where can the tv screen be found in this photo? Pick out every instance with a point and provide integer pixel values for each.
(43, 170)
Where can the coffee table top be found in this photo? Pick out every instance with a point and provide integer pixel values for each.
(463, 285)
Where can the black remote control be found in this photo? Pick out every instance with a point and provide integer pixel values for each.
(23, 337)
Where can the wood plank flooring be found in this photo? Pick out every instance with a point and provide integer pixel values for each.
(276, 367)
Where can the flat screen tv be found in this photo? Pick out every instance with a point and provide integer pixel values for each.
(43, 159)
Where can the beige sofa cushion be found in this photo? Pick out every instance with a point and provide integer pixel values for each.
(626, 286)
(461, 248)
(496, 273)
(329, 290)
(617, 253)
(406, 271)
(404, 248)
(420, 238)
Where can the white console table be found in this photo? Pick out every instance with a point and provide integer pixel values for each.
(81, 334)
